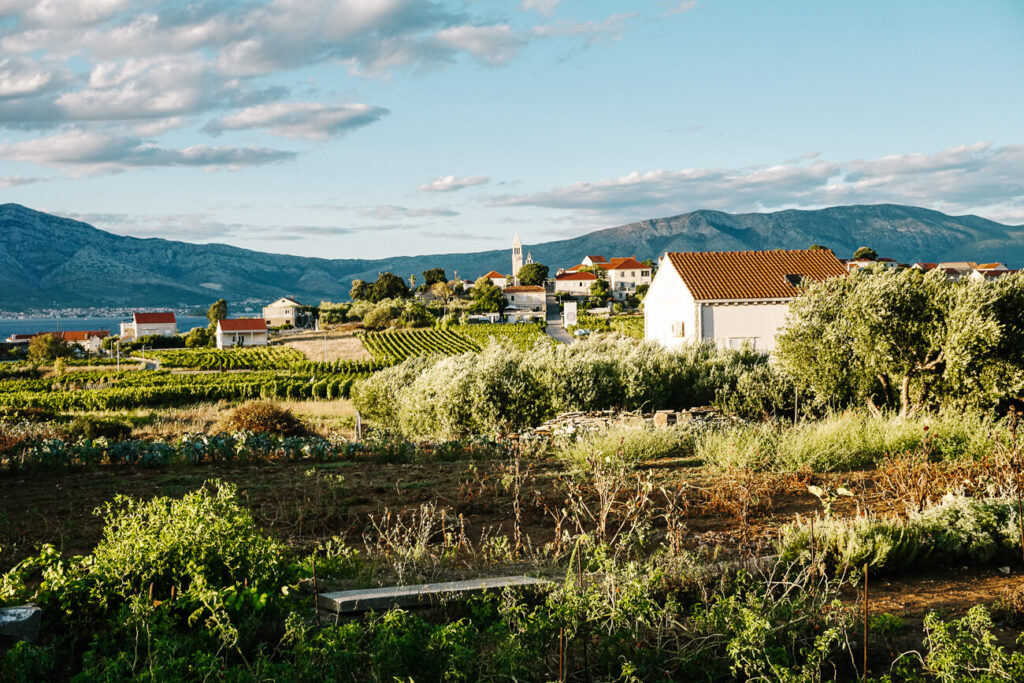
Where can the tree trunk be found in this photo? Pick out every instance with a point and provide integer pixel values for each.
(905, 408)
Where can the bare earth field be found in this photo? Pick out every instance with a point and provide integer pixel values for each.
(338, 347)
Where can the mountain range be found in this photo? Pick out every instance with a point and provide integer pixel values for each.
(47, 261)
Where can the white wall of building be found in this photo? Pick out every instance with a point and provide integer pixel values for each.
(624, 282)
(671, 317)
(670, 313)
(730, 325)
(577, 287)
(531, 301)
(230, 338)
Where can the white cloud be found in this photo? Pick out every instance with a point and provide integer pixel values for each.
(594, 32)
(966, 179)
(96, 152)
(450, 183)
(16, 180)
(544, 7)
(386, 212)
(492, 44)
(680, 7)
(311, 120)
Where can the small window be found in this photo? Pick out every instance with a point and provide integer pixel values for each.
(678, 329)
(795, 279)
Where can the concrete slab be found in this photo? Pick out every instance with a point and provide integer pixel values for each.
(420, 595)
(21, 622)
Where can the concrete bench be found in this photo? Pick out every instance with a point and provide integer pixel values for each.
(421, 595)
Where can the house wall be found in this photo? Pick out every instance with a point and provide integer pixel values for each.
(528, 301)
(226, 340)
(131, 331)
(730, 324)
(280, 315)
(624, 282)
(578, 287)
(667, 305)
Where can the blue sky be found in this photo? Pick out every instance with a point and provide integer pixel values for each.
(369, 128)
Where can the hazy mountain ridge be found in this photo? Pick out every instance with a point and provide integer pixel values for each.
(50, 261)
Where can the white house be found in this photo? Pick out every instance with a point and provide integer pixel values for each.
(525, 298)
(625, 273)
(499, 280)
(241, 332)
(577, 284)
(282, 312)
(163, 324)
(87, 340)
(731, 297)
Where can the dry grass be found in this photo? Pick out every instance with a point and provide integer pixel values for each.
(325, 417)
(339, 347)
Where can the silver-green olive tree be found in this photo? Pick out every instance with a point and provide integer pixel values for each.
(905, 340)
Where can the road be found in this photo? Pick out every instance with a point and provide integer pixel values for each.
(554, 320)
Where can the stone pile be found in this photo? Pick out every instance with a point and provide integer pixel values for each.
(569, 424)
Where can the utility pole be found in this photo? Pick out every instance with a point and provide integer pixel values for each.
(118, 345)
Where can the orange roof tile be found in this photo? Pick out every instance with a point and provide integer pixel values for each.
(152, 318)
(732, 275)
(523, 289)
(243, 324)
(597, 259)
(576, 276)
(627, 263)
(493, 274)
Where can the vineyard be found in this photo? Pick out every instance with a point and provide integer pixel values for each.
(139, 388)
(394, 347)
(253, 358)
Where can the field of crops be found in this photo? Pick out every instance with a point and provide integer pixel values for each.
(100, 390)
(252, 358)
(396, 346)
(523, 335)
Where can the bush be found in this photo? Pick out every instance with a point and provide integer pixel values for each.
(849, 441)
(629, 446)
(263, 417)
(958, 530)
(87, 427)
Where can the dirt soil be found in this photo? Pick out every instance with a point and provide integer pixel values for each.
(339, 347)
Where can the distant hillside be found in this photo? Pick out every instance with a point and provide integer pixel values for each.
(49, 261)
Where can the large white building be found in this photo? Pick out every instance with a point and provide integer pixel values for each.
(162, 324)
(731, 297)
(284, 311)
(577, 284)
(241, 332)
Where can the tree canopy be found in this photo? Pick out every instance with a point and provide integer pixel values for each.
(487, 296)
(45, 347)
(906, 340)
(865, 253)
(432, 276)
(218, 311)
(360, 290)
(388, 286)
(533, 274)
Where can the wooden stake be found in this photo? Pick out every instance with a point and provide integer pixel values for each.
(316, 593)
(865, 621)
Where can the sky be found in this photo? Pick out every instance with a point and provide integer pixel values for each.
(374, 128)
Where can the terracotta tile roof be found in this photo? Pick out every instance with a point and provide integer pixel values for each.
(927, 266)
(153, 318)
(627, 263)
(523, 289)
(731, 275)
(493, 274)
(597, 259)
(995, 272)
(243, 324)
(991, 266)
(576, 276)
(81, 335)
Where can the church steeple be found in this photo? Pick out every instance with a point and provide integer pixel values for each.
(517, 257)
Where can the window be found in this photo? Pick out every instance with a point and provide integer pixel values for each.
(678, 329)
(632, 273)
(644, 273)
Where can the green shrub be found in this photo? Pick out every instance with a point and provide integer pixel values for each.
(629, 446)
(88, 427)
(959, 529)
(966, 649)
(264, 417)
(848, 441)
